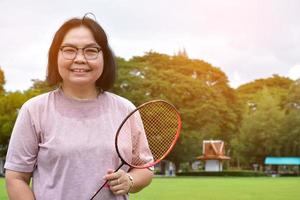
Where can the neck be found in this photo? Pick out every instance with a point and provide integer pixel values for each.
(80, 92)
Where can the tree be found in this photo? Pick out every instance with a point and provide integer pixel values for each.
(263, 104)
(2, 82)
(275, 81)
(260, 133)
(40, 86)
(10, 104)
(291, 123)
(200, 91)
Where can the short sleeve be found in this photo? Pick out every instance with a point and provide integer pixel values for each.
(23, 146)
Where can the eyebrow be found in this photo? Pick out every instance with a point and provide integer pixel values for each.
(88, 45)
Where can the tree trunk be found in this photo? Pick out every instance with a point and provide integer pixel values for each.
(177, 166)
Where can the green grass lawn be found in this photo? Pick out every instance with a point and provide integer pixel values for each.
(2, 190)
(265, 188)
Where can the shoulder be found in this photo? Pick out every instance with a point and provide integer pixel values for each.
(38, 101)
(118, 101)
(34, 107)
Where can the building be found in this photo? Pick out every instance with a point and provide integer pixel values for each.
(283, 165)
(213, 155)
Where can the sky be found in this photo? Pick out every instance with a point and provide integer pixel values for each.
(247, 39)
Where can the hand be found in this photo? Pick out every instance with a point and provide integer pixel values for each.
(119, 182)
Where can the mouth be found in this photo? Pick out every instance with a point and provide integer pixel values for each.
(79, 70)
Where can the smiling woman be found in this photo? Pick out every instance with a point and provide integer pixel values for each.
(64, 139)
(80, 69)
(96, 58)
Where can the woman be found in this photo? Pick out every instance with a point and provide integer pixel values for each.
(64, 139)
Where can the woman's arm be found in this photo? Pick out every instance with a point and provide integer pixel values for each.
(141, 179)
(17, 184)
(121, 184)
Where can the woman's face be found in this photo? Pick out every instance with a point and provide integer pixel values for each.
(85, 67)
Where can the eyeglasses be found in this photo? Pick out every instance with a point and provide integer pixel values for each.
(89, 53)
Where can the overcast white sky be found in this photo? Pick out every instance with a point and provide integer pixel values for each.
(247, 39)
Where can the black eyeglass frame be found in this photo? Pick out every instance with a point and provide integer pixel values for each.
(83, 52)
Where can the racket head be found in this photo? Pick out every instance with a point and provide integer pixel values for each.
(149, 133)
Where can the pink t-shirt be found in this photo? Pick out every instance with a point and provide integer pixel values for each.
(69, 145)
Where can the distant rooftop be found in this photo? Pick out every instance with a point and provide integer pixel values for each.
(282, 161)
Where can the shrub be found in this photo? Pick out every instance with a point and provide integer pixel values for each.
(223, 173)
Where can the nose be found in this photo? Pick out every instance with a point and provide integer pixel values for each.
(79, 56)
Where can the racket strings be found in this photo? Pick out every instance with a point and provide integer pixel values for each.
(160, 121)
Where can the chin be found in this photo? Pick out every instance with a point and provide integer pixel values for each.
(82, 82)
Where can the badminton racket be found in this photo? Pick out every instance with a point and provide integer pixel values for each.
(159, 125)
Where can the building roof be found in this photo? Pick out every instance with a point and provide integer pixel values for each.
(282, 161)
(213, 158)
(213, 150)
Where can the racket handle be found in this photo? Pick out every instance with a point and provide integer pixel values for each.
(99, 190)
(105, 183)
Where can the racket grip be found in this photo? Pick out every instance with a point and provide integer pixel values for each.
(102, 186)
(98, 190)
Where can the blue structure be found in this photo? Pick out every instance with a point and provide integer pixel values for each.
(282, 161)
(285, 163)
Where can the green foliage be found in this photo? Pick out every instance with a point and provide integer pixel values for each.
(2, 82)
(40, 86)
(223, 173)
(292, 101)
(291, 124)
(278, 86)
(262, 128)
(193, 86)
(275, 81)
(10, 104)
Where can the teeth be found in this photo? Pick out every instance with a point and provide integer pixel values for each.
(80, 70)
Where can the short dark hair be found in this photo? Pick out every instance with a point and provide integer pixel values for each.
(107, 78)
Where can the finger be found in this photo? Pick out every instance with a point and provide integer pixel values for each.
(115, 188)
(120, 173)
(114, 182)
(116, 175)
(120, 192)
(118, 181)
(111, 176)
(118, 189)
